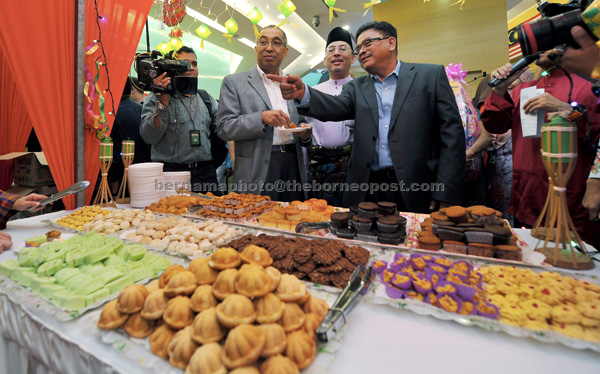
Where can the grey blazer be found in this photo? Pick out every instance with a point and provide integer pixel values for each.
(243, 99)
(426, 137)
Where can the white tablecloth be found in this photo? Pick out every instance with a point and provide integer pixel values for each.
(379, 338)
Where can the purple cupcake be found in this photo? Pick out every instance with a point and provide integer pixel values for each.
(402, 280)
(431, 298)
(393, 292)
(379, 266)
(399, 264)
(418, 262)
(414, 295)
(386, 276)
(449, 303)
(437, 268)
(444, 262)
(445, 287)
(486, 310)
(422, 285)
(466, 293)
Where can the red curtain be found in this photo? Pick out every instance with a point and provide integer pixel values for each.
(122, 25)
(41, 59)
(42, 65)
(15, 124)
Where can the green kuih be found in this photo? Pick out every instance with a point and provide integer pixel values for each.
(25, 278)
(47, 256)
(142, 272)
(48, 290)
(28, 256)
(50, 268)
(96, 269)
(118, 284)
(6, 267)
(65, 274)
(96, 296)
(134, 252)
(89, 287)
(77, 280)
(75, 258)
(18, 270)
(114, 243)
(68, 300)
(38, 282)
(97, 254)
(113, 260)
(110, 275)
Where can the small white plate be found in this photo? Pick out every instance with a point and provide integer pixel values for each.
(297, 129)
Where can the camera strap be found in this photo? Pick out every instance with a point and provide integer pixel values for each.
(193, 119)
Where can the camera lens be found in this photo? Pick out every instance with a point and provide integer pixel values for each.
(185, 85)
(546, 33)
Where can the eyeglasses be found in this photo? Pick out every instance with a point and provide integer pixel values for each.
(276, 43)
(367, 43)
(342, 49)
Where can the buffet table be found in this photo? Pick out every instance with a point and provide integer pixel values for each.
(377, 338)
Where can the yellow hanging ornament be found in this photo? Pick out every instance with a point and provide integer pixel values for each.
(330, 4)
(286, 7)
(231, 27)
(255, 16)
(203, 32)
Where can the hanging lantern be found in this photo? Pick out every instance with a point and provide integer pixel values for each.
(255, 16)
(330, 4)
(203, 32)
(175, 44)
(173, 12)
(286, 7)
(232, 28)
(164, 48)
(370, 4)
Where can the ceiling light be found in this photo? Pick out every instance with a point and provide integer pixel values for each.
(309, 55)
(281, 16)
(205, 19)
(346, 27)
(248, 42)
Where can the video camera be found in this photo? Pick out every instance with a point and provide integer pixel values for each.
(150, 67)
(555, 26)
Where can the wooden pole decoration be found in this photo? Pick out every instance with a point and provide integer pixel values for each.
(103, 197)
(127, 154)
(558, 237)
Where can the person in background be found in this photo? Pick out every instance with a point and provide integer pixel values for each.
(137, 94)
(251, 113)
(178, 128)
(332, 141)
(499, 166)
(476, 137)
(9, 205)
(408, 131)
(126, 127)
(530, 180)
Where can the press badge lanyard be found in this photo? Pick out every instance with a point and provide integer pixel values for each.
(194, 134)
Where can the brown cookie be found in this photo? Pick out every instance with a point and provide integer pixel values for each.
(279, 251)
(318, 277)
(333, 268)
(302, 253)
(286, 263)
(346, 264)
(325, 255)
(357, 255)
(340, 279)
(306, 267)
(298, 274)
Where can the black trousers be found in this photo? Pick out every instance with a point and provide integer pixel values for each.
(381, 179)
(283, 168)
(203, 176)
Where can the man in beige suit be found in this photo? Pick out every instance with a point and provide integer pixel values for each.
(253, 113)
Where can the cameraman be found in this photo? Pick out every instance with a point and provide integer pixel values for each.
(178, 128)
(530, 181)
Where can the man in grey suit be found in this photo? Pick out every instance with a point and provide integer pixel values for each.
(252, 112)
(408, 140)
